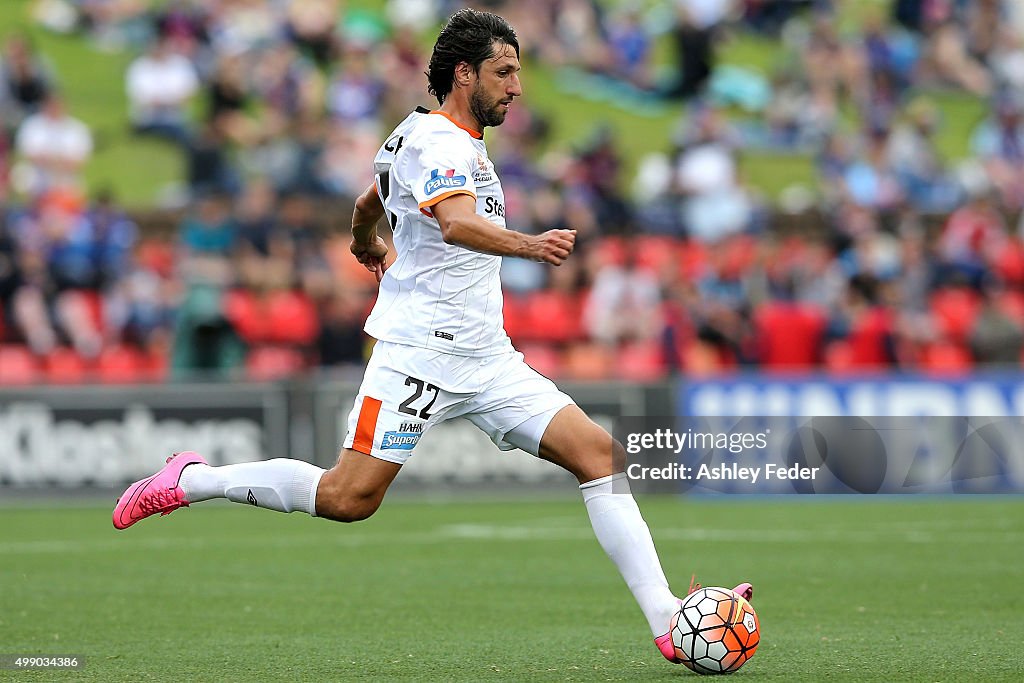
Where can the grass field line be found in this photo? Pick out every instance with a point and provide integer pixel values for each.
(491, 532)
(496, 532)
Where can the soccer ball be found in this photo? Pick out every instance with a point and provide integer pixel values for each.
(715, 631)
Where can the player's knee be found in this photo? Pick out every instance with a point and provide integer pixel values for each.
(347, 509)
(602, 456)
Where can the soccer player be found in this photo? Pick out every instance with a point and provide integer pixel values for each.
(442, 351)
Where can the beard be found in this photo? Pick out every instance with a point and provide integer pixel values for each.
(488, 112)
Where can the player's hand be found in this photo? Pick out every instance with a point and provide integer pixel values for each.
(553, 246)
(371, 255)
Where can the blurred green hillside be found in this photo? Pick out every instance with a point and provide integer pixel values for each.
(139, 170)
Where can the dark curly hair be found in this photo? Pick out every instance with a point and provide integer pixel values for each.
(469, 36)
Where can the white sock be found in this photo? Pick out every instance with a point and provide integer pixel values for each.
(279, 484)
(624, 535)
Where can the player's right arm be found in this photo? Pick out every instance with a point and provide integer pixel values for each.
(460, 224)
(368, 248)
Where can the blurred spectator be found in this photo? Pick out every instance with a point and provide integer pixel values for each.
(769, 16)
(341, 339)
(184, 21)
(995, 337)
(301, 243)
(624, 303)
(596, 175)
(356, 92)
(865, 326)
(209, 168)
(715, 205)
(974, 235)
(630, 46)
(116, 235)
(310, 25)
(54, 146)
(10, 262)
(914, 156)
(205, 343)
(870, 179)
(1007, 60)
(25, 81)
(999, 143)
(946, 59)
(263, 254)
(696, 26)
(208, 239)
(160, 85)
(227, 96)
(114, 23)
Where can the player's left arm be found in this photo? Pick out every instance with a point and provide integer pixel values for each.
(460, 224)
(368, 248)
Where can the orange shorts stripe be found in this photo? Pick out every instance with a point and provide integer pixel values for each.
(366, 425)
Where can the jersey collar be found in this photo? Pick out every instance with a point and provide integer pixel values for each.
(448, 116)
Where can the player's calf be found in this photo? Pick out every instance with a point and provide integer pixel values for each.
(354, 488)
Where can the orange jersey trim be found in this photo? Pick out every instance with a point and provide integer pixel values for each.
(478, 135)
(367, 425)
(434, 200)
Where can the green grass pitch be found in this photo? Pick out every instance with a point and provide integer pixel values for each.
(913, 589)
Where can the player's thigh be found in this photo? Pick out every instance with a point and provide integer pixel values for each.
(515, 407)
(578, 444)
(526, 410)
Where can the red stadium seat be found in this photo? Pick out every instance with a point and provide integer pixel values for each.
(17, 365)
(656, 253)
(955, 310)
(698, 358)
(588, 361)
(554, 317)
(122, 365)
(543, 358)
(158, 365)
(65, 366)
(641, 362)
(244, 311)
(869, 339)
(693, 259)
(93, 303)
(1011, 303)
(610, 251)
(156, 255)
(839, 357)
(945, 358)
(291, 318)
(265, 363)
(517, 324)
(789, 334)
(1009, 263)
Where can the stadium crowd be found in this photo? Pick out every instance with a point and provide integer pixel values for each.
(897, 258)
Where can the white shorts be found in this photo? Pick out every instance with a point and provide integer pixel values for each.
(407, 390)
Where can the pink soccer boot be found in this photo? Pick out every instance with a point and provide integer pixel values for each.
(159, 493)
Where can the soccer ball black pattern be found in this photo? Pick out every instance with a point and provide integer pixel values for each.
(715, 631)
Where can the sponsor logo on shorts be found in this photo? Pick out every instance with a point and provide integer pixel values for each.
(444, 335)
(399, 441)
(447, 181)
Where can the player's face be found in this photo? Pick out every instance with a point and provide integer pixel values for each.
(496, 86)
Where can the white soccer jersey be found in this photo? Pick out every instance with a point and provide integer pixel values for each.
(435, 295)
